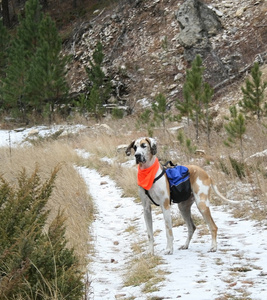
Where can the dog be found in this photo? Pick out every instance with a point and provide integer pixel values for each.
(145, 155)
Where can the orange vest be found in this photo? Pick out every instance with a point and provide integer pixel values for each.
(145, 177)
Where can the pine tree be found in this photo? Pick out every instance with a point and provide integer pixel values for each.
(145, 119)
(185, 107)
(197, 95)
(100, 86)
(47, 70)
(235, 129)
(15, 81)
(35, 75)
(4, 43)
(253, 93)
(160, 110)
(207, 96)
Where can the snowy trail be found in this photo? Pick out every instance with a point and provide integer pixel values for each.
(112, 243)
(237, 270)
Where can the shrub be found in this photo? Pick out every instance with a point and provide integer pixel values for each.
(34, 264)
(238, 167)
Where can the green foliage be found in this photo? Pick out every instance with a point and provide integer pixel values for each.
(197, 96)
(160, 110)
(159, 114)
(100, 86)
(235, 129)
(117, 113)
(47, 72)
(253, 93)
(223, 167)
(186, 143)
(4, 43)
(34, 264)
(207, 96)
(145, 119)
(35, 74)
(238, 167)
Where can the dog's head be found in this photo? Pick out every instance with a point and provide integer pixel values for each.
(144, 149)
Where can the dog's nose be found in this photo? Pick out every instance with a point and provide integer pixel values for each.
(138, 157)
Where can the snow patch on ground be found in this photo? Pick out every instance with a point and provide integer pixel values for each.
(239, 265)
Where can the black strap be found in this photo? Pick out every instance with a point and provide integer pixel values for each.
(157, 178)
(169, 162)
(160, 175)
(148, 195)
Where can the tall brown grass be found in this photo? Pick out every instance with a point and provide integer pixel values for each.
(70, 192)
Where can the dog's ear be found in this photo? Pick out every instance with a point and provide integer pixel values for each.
(153, 145)
(128, 150)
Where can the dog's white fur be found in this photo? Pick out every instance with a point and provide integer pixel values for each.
(145, 151)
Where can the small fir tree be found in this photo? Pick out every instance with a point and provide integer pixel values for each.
(34, 264)
(145, 119)
(235, 129)
(197, 95)
(160, 110)
(207, 96)
(100, 86)
(185, 107)
(253, 93)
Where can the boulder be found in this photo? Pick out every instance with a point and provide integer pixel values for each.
(198, 22)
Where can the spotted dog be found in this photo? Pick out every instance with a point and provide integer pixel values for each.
(159, 192)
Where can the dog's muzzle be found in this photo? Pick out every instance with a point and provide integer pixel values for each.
(139, 158)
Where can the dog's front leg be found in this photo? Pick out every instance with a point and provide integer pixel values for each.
(149, 223)
(168, 225)
(149, 227)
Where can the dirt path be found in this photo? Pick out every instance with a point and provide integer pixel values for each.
(238, 270)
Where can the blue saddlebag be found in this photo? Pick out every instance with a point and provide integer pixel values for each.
(179, 179)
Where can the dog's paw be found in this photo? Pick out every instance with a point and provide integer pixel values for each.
(184, 247)
(168, 251)
(213, 249)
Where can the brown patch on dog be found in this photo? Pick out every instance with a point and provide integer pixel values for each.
(202, 206)
(197, 172)
(203, 196)
(167, 203)
(170, 232)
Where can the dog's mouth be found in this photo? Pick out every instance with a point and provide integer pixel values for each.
(139, 159)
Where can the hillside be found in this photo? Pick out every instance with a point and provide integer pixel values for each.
(148, 45)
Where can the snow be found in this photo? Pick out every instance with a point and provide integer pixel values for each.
(238, 269)
(193, 273)
(18, 136)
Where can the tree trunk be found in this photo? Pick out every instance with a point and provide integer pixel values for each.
(5, 12)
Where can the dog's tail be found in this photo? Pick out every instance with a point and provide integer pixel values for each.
(217, 192)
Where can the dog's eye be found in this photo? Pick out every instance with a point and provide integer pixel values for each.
(143, 145)
(134, 147)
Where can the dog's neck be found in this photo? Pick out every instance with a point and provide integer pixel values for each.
(148, 163)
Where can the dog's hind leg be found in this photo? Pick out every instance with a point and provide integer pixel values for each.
(202, 205)
(185, 209)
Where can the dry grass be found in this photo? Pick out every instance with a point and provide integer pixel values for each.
(70, 192)
(144, 269)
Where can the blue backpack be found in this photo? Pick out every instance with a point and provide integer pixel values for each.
(179, 180)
